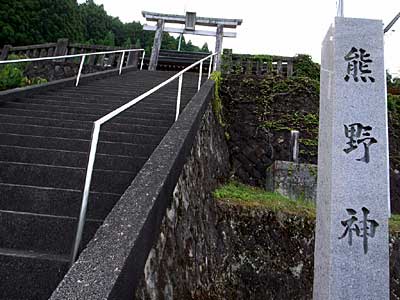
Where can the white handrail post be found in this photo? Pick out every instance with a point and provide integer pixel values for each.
(80, 70)
(86, 190)
(210, 66)
(178, 98)
(200, 74)
(141, 64)
(214, 64)
(122, 62)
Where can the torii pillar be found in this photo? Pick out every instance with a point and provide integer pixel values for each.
(190, 20)
(218, 47)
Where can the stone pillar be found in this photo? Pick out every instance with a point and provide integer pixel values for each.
(218, 47)
(43, 52)
(91, 59)
(100, 60)
(249, 66)
(227, 63)
(133, 59)
(351, 247)
(61, 48)
(290, 68)
(279, 67)
(5, 51)
(155, 51)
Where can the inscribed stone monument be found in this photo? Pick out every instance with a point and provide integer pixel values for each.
(351, 247)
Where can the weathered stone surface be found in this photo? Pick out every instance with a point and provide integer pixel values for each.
(270, 255)
(182, 265)
(351, 248)
(266, 255)
(258, 112)
(293, 180)
(253, 253)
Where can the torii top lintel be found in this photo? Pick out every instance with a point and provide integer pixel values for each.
(202, 21)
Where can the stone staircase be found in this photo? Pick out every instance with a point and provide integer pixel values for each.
(44, 144)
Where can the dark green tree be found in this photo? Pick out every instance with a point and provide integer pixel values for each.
(169, 42)
(119, 30)
(109, 39)
(27, 22)
(19, 22)
(96, 22)
(60, 19)
(205, 48)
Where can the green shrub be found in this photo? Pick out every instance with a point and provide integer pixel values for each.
(217, 103)
(36, 80)
(393, 102)
(305, 67)
(12, 75)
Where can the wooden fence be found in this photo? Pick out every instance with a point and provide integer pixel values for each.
(63, 47)
(256, 64)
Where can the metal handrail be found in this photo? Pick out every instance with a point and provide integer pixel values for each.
(108, 117)
(83, 55)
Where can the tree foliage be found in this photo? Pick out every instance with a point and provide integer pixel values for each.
(305, 67)
(26, 22)
(392, 82)
(12, 75)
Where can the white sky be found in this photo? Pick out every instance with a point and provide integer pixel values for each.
(280, 27)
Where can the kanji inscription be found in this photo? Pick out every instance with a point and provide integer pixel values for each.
(365, 231)
(358, 61)
(359, 134)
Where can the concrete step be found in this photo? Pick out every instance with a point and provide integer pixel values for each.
(79, 145)
(74, 124)
(137, 88)
(104, 181)
(82, 117)
(132, 112)
(150, 101)
(69, 158)
(29, 276)
(54, 201)
(56, 233)
(71, 133)
(146, 107)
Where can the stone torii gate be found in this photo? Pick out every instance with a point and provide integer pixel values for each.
(190, 21)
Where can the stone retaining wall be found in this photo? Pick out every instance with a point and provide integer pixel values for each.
(182, 264)
(52, 70)
(270, 255)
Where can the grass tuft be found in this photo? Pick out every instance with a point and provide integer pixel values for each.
(252, 196)
(256, 197)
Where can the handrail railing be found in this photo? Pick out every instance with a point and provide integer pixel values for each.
(83, 55)
(96, 132)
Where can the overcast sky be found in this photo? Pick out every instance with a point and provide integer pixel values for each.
(280, 27)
